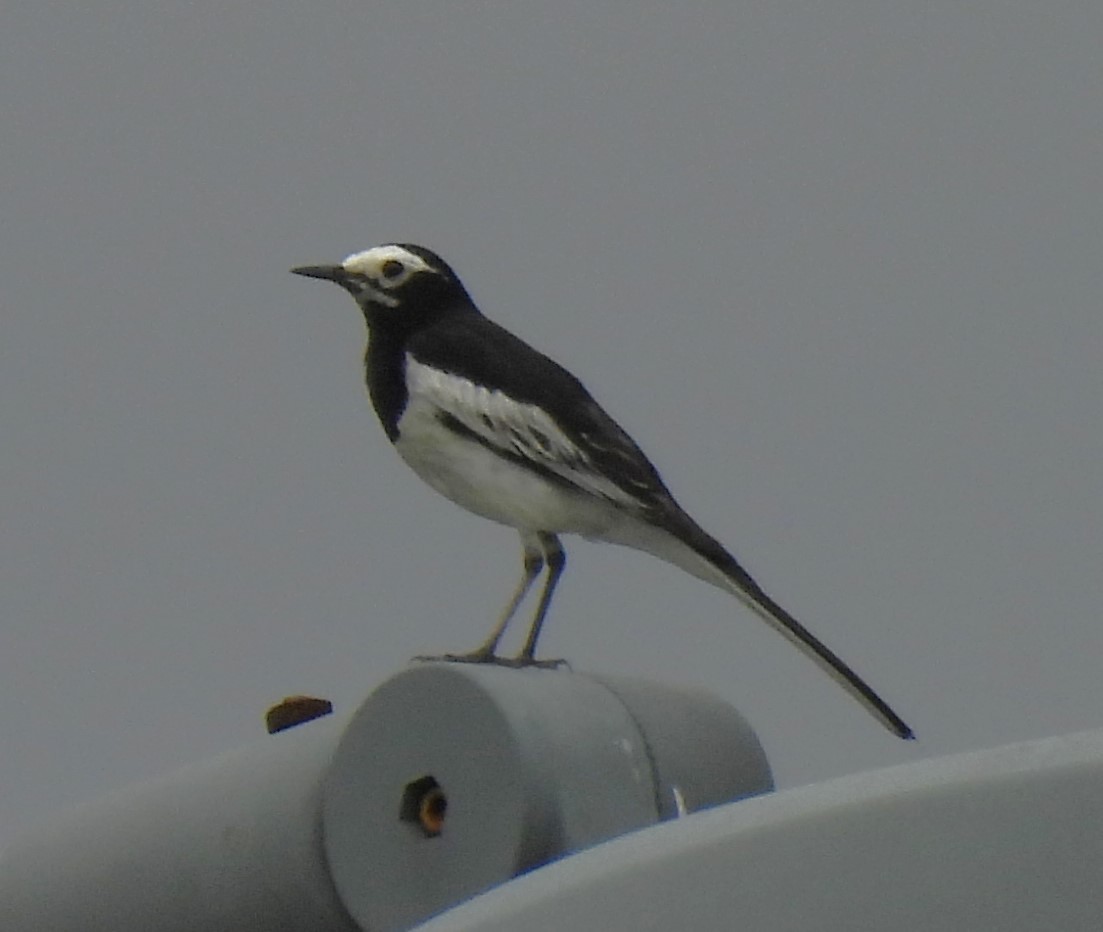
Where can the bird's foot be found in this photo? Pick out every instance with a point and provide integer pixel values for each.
(539, 664)
(476, 656)
(485, 656)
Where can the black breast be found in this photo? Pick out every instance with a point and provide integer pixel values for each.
(385, 368)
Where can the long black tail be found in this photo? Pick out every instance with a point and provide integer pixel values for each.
(705, 557)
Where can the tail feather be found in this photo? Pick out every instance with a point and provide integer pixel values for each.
(682, 542)
(835, 667)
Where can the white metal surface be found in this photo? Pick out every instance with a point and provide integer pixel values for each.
(1007, 839)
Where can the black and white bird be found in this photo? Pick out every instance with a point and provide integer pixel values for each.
(508, 434)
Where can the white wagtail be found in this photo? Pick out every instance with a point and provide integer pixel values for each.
(509, 434)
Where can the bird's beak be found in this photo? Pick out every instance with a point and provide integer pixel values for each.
(332, 273)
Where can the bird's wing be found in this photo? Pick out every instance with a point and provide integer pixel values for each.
(527, 433)
(546, 418)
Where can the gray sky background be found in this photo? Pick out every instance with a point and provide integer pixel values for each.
(835, 266)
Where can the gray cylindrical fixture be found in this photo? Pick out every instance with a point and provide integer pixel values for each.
(531, 764)
(231, 843)
(448, 780)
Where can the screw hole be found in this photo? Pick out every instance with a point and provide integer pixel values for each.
(424, 805)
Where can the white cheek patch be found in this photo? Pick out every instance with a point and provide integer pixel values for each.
(518, 429)
(364, 290)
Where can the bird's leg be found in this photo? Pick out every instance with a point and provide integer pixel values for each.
(532, 561)
(556, 558)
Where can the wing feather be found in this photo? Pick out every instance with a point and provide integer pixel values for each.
(515, 429)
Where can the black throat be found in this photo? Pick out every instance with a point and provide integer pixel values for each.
(385, 368)
(433, 301)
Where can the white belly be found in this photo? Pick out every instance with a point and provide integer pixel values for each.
(474, 477)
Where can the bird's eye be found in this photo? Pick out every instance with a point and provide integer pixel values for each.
(392, 268)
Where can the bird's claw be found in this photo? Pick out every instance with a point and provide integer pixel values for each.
(550, 664)
(484, 656)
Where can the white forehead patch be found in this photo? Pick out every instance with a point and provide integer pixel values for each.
(370, 262)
